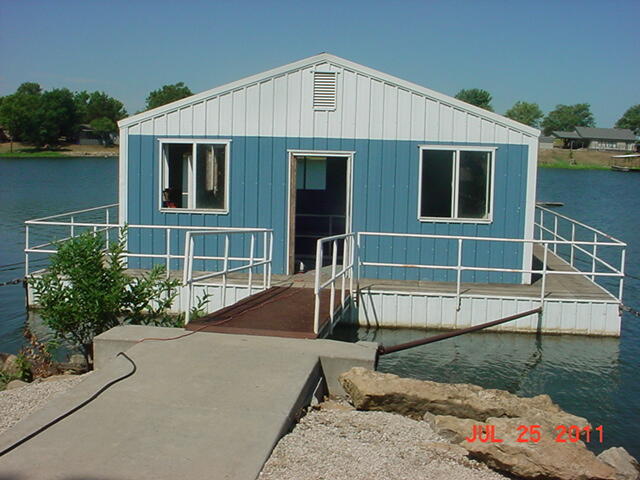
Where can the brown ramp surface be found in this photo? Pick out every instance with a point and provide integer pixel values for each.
(276, 312)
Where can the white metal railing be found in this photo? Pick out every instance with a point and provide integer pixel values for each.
(459, 267)
(72, 224)
(71, 227)
(254, 262)
(556, 226)
(108, 219)
(346, 273)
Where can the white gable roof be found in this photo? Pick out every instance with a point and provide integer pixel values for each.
(389, 106)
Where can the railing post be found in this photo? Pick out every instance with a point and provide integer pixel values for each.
(622, 259)
(224, 270)
(73, 227)
(352, 260)
(186, 276)
(168, 248)
(344, 273)
(265, 249)
(270, 264)
(316, 289)
(107, 229)
(334, 261)
(593, 259)
(544, 274)
(26, 253)
(573, 239)
(541, 224)
(555, 234)
(251, 248)
(358, 265)
(459, 276)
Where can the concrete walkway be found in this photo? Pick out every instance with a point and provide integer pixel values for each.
(207, 406)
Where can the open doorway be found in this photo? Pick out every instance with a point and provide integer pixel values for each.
(319, 204)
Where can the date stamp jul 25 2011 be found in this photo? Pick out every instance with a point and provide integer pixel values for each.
(486, 433)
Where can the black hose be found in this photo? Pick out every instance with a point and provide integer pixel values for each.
(74, 409)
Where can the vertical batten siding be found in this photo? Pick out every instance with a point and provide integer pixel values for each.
(388, 169)
(382, 122)
(433, 310)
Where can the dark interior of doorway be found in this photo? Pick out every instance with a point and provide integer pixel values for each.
(321, 206)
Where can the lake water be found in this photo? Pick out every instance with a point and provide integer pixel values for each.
(592, 377)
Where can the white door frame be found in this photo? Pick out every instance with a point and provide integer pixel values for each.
(291, 184)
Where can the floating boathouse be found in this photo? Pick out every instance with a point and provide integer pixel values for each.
(414, 207)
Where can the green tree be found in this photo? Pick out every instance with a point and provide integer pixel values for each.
(167, 94)
(630, 119)
(104, 127)
(568, 117)
(100, 105)
(81, 99)
(29, 88)
(476, 96)
(86, 291)
(55, 117)
(17, 112)
(525, 112)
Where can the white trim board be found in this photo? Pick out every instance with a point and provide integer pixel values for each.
(349, 158)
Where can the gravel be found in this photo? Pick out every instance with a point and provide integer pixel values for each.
(341, 444)
(18, 403)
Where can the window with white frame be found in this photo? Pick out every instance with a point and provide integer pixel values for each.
(195, 175)
(455, 183)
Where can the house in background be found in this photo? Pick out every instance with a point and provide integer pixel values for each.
(615, 139)
(546, 143)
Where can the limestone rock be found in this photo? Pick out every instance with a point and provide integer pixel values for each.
(371, 390)
(626, 467)
(13, 384)
(544, 458)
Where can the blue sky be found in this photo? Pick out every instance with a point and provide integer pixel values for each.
(548, 52)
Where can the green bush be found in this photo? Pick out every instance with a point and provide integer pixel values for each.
(87, 291)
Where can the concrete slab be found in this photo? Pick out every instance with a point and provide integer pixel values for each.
(204, 406)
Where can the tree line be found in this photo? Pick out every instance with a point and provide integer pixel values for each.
(563, 117)
(48, 118)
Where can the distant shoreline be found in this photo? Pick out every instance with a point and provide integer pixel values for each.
(551, 158)
(68, 150)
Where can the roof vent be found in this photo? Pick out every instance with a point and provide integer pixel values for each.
(324, 90)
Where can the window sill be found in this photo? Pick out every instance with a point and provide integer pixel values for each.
(484, 221)
(194, 210)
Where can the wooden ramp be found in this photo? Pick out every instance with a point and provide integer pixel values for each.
(276, 312)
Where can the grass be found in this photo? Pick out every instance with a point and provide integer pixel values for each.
(576, 159)
(32, 153)
(66, 150)
(567, 165)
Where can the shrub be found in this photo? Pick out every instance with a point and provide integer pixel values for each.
(87, 291)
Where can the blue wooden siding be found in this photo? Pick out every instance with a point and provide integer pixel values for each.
(385, 199)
